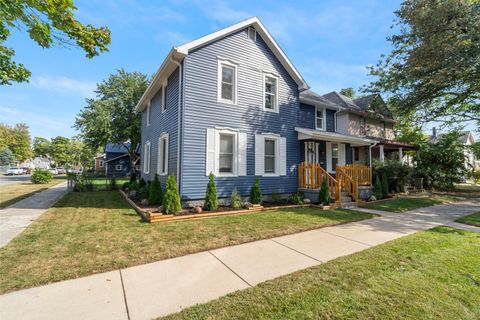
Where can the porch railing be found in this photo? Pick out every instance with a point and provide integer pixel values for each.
(360, 173)
(310, 176)
(347, 183)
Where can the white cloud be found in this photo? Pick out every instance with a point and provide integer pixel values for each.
(64, 85)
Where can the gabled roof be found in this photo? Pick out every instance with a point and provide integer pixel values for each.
(118, 147)
(177, 54)
(340, 99)
(311, 97)
(463, 137)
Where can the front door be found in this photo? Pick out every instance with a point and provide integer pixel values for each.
(335, 155)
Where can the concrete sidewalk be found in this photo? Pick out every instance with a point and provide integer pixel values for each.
(15, 218)
(160, 288)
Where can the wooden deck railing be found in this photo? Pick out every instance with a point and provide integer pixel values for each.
(310, 176)
(347, 183)
(360, 173)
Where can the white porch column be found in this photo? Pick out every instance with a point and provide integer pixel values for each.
(382, 155)
(400, 155)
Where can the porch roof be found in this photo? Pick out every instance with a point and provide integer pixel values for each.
(393, 144)
(305, 134)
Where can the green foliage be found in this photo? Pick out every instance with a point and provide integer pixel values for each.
(211, 197)
(17, 139)
(125, 185)
(144, 191)
(47, 23)
(235, 200)
(385, 190)
(6, 157)
(113, 183)
(432, 70)
(397, 175)
(171, 198)
(41, 176)
(42, 147)
(256, 193)
(476, 175)
(133, 178)
(377, 188)
(348, 92)
(82, 181)
(296, 199)
(111, 115)
(155, 193)
(324, 194)
(142, 183)
(442, 164)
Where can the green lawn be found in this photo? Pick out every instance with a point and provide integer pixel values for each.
(409, 203)
(473, 219)
(93, 232)
(101, 184)
(433, 274)
(11, 193)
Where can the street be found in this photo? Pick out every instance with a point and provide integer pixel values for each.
(6, 180)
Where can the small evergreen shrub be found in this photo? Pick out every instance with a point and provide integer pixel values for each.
(113, 183)
(384, 186)
(155, 193)
(41, 176)
(144, 192)
(377, 189)
(324, 194)
(171, 198)
(296, 199)
(235, 200)
(125, 185)
(133, 178)
(211, 197)
(256, 193)
(141, 183)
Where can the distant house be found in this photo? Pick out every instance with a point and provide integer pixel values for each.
(117, 161)
(100, 163)
(36, 163)
(466, 139)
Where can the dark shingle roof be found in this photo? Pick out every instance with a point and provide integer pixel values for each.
(313, 96)
(117, 147)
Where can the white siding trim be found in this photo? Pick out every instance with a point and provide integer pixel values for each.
(222, 62)
(259, 154)
(328, 153)
(164, 136)
(242, 154)
(164, 97)
(148, 114)
(210, 152)
(282, 159)
(146, 156)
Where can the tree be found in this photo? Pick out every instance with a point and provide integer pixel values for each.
(61, 151)
(256, 193)
(6, 157)
(47, 23)
(377, 188)
(111, 116)
(21, 146)
(42, 147)
(6, 136)
(433, 69)
(348, 92)
(211, 198)
(171, 198)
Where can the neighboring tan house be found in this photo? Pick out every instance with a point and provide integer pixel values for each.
(100, 163)
(233, 104)
(117, 160)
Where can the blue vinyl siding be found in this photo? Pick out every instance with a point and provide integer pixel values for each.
(159, 123)
(202, 111)
(307, 117)
(110, 166)
(330, 120)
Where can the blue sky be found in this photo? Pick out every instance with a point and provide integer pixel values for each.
(330, 42)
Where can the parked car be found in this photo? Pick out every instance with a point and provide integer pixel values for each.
(61, 170)
(26, 170)
(14, 171)
(53, 171)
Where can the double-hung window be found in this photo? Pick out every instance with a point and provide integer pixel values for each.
(270, 152)
(227, 82)
(226, 153)
(163, 154)
(118, 167)
(270, 93)
(101, 163)
(320, 118)
(146, 158)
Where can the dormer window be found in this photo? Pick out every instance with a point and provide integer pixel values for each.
(252, 34)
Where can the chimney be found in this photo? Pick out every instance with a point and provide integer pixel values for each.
(434, 132)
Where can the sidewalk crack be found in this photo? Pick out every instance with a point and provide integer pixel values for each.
(304, 254)
(124, 295)
(230, 269)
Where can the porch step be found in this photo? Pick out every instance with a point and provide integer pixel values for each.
(345, 199)
(348, 205)
(344, 194)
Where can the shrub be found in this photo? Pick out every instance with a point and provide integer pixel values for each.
(155, 193)
(211, 198)
(324, 194)
(296, 199)
(384, 185)
(113, 183)
(141, 183)
(236, 200)
(125, 185)
(377, 189)
(256, 193)
(41, 176)
(171, 198)
(133, 178)
(144, 192)
(398, 174)
(277, 198)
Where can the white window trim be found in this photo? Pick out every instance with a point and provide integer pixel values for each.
(118, 167)
(164, 97)
(165, 136)
(250, 29)
(324, 118)
(234, 172)
(222, 62)
(335, 121)
(148, 114)
(101, 163)
(271, 75)
(146, 162)
(276, 138)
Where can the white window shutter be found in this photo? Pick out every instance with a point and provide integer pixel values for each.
(341, 154)
(283, 156)
(329, 156)
(210, 159)
(242, 154)
(259, 155)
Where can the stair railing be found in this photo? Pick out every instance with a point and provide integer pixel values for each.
(347, 183)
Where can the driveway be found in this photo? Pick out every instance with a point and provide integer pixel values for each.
(6, 180)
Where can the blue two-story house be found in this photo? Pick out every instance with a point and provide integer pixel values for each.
(116, 161)
(232, 103)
